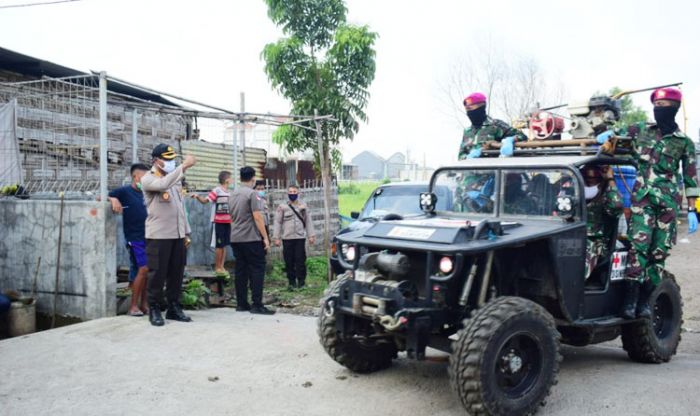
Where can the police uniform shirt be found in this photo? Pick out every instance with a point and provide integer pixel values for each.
(244, 201)
(165, 205)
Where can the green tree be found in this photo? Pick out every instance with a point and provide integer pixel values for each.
(323, 66)
(630, 113)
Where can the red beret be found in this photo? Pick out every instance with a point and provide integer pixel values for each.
(474, 98)
(672, 94)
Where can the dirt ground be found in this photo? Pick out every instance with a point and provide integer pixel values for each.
(232, 363)
(684, 263)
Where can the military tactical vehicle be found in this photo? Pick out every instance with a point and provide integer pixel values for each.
(497, 282)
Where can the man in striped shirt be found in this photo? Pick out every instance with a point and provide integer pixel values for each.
(221, 220)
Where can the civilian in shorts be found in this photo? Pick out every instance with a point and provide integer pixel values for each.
(128, 201)
(221, 220)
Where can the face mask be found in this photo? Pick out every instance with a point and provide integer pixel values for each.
(293, 197)
(665, 119)
(168, 166)
(261, 194)
(591, 192)
(477, 116)
(138, 185)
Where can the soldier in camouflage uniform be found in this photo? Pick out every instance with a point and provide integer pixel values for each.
(603, 204)
(485, 129)
(656, 200)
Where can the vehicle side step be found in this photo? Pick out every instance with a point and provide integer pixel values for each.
(607, 321)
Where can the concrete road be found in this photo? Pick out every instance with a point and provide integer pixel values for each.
(229, 363)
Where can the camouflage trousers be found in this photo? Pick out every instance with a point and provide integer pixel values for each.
(595, 250)
(653, 233)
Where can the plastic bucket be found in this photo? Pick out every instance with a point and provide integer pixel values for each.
(624, 179)
(21, 319)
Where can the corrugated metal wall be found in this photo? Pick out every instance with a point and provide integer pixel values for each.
(213, 158)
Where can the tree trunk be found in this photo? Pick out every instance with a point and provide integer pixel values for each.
(325, 163)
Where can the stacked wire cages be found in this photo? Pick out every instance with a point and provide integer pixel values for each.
(49, 136)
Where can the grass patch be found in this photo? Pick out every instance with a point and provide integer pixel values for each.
(276, 284)
(353, 195)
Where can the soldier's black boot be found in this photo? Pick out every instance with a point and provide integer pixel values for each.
(154, 315)
(629, 305)
(643, 307)
(175, 313)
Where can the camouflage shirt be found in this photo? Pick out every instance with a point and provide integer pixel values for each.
(660, 158)
(606, 204)
(492, 129)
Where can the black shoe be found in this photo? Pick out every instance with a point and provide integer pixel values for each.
(643, 308)
(291, 288)
(629, 305)
(176, 314)
(301, 285)
(154, 316)
(242, 308)
(261, 310)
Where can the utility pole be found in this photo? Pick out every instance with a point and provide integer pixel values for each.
(325, 178)
(134, 137)
(236, 175)
(103, 136)
(243, 126)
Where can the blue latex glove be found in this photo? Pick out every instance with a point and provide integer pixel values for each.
(487, 189)
(473, 194)
(692, 222)
(474, 153)
(603, 137)
(507, 146)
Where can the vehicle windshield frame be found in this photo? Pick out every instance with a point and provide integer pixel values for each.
(499, 191)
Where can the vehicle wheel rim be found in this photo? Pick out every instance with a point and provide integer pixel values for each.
(518, 365)
(663, 316)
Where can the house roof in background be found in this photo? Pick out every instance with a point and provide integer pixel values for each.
(38, 68)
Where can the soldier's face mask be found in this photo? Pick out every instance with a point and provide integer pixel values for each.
(477, 116)
(591, 192)
(665, 118)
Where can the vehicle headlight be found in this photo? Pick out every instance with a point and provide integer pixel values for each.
(349, 252)
(446, 265)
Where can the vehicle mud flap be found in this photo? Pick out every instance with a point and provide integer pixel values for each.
(418, 337)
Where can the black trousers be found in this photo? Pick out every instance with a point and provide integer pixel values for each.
(166, 266)
(250, 270)
(294, 252)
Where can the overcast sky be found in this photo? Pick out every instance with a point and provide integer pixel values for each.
(209, 50)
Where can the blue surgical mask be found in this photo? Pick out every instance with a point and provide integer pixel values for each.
(293, 197)
(169, 166)
(261, 194)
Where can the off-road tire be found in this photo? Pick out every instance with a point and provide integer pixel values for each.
(654, 341)
(358, 357)
(477, 358)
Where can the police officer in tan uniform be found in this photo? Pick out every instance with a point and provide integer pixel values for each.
(166, 231)
(249, 241)
(292, 226)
